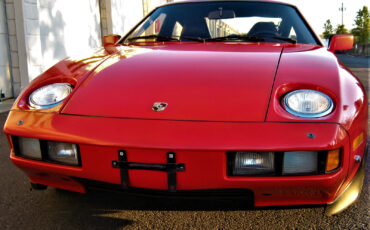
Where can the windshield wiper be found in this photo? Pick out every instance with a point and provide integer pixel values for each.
(237, 37)
(159, 38)
(233, 37)
(251, 38)
(290, 40)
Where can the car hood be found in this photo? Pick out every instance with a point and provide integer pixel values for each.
(199, 82)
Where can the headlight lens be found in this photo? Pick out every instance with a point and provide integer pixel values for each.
(253, 163)
(308, 103)
(65, 153)
(50, 95)
(300, 162)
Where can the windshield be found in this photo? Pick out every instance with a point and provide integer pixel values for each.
(223, 21)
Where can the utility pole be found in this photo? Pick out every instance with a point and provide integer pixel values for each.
(342, 9)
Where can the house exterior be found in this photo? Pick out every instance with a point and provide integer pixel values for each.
(35, 34)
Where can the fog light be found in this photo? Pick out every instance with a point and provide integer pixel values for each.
(333, 160)
(300, 162)
(28, 147)
(253, 163)
(61, 152)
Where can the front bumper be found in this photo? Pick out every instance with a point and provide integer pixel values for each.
(201, 146)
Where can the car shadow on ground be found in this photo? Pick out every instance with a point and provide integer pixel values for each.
(122, 201)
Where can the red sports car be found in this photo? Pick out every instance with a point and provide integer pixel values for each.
(201, 97)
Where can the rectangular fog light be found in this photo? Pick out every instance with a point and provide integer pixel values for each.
(253, 163)
(65, 153)
(28, 147)
(300, 162)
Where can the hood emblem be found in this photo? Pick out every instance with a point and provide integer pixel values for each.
(159, 106)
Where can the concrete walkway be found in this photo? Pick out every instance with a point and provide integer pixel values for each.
(6, 105)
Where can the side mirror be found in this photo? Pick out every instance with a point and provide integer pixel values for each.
(341, 42)
(110, 40)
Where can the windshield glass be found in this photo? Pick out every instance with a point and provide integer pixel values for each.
(223, 21)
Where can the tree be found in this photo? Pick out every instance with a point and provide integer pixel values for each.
(328, 29)
(341, 29)
(362, 23)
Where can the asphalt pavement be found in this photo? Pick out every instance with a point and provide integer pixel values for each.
(23, 208)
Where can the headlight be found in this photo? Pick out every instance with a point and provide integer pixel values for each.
(300, 162)
(308, 103)
(60, 152)
(253, 163)
(50, 95)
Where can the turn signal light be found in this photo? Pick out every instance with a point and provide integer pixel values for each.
(358, 141)
(333, 160)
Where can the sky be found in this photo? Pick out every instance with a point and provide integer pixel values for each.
(317, 12)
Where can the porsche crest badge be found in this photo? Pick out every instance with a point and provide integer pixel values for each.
(159, 106)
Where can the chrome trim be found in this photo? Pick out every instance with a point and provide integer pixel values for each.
(48, 106)
(308, 115)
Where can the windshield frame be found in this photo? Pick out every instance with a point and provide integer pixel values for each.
(123, 40)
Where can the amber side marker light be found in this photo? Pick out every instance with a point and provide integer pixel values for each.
(358, 141)
(333, 160)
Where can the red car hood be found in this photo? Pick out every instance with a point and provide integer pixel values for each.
(208, 82)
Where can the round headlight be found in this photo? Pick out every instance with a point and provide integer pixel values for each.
(308, 103)
(50, 95)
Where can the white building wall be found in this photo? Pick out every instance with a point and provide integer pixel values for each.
(68, 28)
(43, 32)
(155, 3)
(47, 31)
(5, 81)
(32, 39)
(125, 14)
